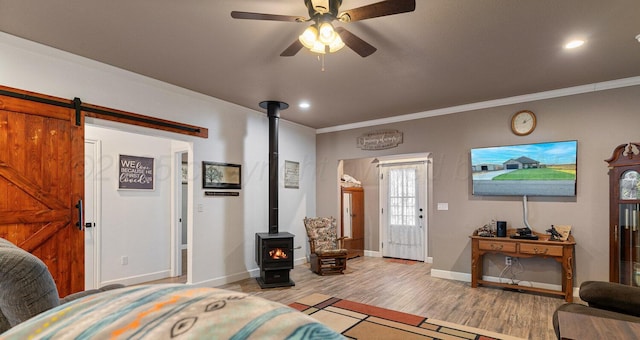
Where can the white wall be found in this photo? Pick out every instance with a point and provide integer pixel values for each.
(222, 228)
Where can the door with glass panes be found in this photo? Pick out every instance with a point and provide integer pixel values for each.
(403, 210)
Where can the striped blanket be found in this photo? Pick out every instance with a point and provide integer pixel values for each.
(171, 311)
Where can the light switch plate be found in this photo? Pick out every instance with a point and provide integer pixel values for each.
(443, 206)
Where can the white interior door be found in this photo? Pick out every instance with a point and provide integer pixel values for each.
(91, 191)
(403, 193)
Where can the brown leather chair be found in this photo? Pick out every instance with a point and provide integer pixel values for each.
(327, 253)
(605, 300)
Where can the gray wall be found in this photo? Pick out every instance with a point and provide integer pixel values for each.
(600, 121)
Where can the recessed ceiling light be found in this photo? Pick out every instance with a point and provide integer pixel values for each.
(638, 37)
(574, 44)
(304, 105)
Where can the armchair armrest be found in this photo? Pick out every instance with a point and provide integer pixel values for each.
(611, 296)
(312, 244)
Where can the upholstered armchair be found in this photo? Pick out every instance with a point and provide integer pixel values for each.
(327, 253)
(26, 286)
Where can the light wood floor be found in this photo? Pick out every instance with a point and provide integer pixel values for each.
(411, 289)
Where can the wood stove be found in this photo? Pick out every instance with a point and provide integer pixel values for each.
(274, 250)
(274, 255)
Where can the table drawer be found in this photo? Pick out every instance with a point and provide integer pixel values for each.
(540, 249)
(509, 247)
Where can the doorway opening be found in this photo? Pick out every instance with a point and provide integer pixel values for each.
(368, 171)
(154, 218)
(180, 249)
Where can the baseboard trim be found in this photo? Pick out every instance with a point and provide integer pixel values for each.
(251, 273)
(466, 277)
(134, 280)
(371, 253)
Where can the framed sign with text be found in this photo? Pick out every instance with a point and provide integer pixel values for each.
(291, 174)
(135, 173)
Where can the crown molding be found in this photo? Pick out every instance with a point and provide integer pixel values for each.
(569, 91)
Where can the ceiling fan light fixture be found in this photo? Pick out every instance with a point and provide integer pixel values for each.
(309, 37)
(336, 44)
(319, 48)
(326, 33)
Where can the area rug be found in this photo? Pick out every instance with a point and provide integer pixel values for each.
(360, 321)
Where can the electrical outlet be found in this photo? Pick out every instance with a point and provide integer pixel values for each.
(507, 260)
(124, 260)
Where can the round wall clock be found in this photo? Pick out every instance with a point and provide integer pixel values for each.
(523, 123)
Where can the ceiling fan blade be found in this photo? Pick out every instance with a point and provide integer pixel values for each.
(379, 9)
(363, 48)
(262, 16)
(292, 49)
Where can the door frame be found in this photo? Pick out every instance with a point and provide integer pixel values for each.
(427, 160)
(176, 211)
(97, 212)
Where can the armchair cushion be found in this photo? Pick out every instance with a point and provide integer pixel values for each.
(332, 252)
(26, 286)
(324, 234)
(611, 296)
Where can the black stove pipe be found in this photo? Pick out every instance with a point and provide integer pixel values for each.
(273, 113)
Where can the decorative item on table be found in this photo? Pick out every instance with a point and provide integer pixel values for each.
(555, 235)
(564, 231)
(524, 234)
(485, 231)
(501, 228)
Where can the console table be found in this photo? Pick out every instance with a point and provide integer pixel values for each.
(561, 251)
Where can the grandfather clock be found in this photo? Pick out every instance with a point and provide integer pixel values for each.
(624, 220)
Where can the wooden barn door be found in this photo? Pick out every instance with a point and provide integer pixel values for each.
(42, 181)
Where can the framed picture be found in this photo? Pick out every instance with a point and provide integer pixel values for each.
(221, 175)
(291, 174)
(135, 173)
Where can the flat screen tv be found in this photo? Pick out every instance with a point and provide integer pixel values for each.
(539, 169)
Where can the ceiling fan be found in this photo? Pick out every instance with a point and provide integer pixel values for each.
(321, 37)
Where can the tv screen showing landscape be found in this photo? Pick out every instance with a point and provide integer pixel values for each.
(540, 169)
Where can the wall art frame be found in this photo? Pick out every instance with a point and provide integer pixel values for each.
(291, 175)
(135, 172)
(221, 175)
